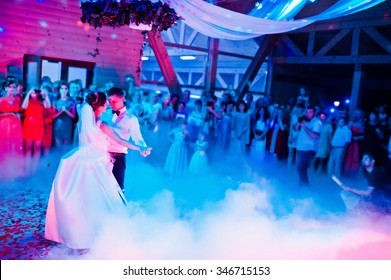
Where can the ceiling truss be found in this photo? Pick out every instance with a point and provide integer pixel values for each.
(317, 50)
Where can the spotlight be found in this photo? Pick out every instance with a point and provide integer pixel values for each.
(144, 58)
(332, 110)
(347, 101)
(336, 103)
(187, 57)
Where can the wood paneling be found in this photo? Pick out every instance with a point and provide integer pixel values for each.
(53, 28)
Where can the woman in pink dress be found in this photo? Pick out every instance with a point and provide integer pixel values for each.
(352, 157)
(33, 125)
(11, 140)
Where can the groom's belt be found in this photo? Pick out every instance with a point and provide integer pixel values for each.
(117, 154)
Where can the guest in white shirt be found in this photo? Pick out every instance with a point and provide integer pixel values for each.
(309, 128)
(339, 144)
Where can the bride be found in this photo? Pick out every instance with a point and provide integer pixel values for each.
(84, 190)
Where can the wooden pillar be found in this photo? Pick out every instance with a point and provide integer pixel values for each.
(356, 89)
(211, 65)
(357, 75)
(255, 65)
(165, 63)
(269, 78)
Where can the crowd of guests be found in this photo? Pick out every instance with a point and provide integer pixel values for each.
(188, 133)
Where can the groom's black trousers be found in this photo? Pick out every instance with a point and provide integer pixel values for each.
(119, 168)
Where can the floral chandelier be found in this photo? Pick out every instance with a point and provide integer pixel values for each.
(117, 13)
(158, 16)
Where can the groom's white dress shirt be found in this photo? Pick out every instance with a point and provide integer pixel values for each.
(126, 126)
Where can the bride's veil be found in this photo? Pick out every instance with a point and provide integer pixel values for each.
(90, 135)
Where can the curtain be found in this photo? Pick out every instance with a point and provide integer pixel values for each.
(269, 17)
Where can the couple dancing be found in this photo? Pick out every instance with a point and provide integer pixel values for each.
(87, 190)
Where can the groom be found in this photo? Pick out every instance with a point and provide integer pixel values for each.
(126, 126)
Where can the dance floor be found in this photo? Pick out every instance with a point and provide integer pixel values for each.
(241, 210)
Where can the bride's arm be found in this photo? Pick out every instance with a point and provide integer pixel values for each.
(113, 135)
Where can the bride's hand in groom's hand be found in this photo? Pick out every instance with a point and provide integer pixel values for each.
(145, 151)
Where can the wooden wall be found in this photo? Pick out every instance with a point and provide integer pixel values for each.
(53, 28)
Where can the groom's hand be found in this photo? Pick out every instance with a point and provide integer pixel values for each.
(146, 152)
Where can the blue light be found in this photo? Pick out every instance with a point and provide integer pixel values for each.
(258, 5)
(1, 29)
(332, 110)
(347, 101)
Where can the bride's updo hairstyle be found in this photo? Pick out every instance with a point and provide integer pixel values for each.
(96, 99)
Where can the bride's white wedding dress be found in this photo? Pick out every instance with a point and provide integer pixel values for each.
(84, 192)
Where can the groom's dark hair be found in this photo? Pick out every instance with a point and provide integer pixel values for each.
(116, 91)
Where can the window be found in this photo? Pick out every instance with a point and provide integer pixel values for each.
(36, 67)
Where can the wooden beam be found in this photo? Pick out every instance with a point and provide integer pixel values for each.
(379, 38)
(164, 62)
(171, 36)
(182, 33)
(311, 43)
(344, 24)
(326, 48)
(356, 42)
(269, 79)
(255, 65)
(291, 45)
(364, 59)
(191, 38)
(221, 80)
(205, 50)
(356, 89)
(211, 65)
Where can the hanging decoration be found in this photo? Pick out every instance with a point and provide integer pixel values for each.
(158, 16)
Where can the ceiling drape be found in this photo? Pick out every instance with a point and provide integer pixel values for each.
(270, 17)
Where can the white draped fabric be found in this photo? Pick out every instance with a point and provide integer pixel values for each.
(271, 18)
(84, 191)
